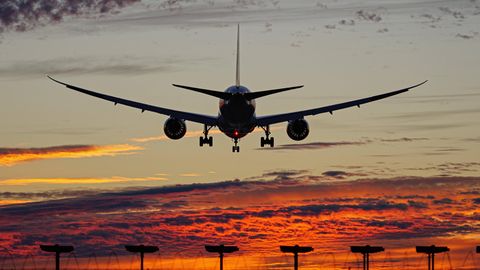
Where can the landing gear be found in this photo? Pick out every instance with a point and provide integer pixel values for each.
(205, 139)
(235, 148)
(267, 140)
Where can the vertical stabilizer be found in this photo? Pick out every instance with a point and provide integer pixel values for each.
(237, 77)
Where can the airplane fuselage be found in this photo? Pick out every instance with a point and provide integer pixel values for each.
(236, 116)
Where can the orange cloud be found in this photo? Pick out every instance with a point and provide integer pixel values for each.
(190, 174)
(8, 202)
(14, 156)
(66, 181)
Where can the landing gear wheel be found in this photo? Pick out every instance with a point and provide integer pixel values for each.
(267, 140)
(210, 141)
(235, 148)
(205, 139)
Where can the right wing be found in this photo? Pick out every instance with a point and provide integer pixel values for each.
(278, 118)
(198, 118)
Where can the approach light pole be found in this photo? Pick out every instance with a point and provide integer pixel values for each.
(57, 249)
(295, 250)
(142, 250)
(365, 251)
(221, 249)
(431, 251)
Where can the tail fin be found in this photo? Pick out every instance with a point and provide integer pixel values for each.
(237, 78)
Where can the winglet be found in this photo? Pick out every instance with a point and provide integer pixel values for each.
(48, 76)
(417, 85)
(237, 77)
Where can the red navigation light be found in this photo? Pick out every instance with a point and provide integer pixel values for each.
(235, 133)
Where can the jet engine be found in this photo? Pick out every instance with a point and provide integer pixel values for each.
(297, 129)
(174, 128)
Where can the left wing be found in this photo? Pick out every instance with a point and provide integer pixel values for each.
(199, 118)
(277, 118)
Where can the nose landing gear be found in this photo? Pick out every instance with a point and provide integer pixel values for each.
(267, 140)
(206, 139)
(235, 148)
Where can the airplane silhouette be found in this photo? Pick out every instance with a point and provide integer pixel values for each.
(236, 117)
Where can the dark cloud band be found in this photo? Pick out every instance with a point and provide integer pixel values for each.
(23, 15)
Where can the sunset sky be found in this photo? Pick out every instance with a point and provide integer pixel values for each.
(399, 172)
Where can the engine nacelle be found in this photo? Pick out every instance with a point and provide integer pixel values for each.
(174, 128)
(298, 129)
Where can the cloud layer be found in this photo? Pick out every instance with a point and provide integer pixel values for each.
(255, 214)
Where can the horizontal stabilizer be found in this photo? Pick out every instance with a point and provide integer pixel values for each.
(226, 96)
(218, 94)
(259, 94)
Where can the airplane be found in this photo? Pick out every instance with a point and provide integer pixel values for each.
(236, 117)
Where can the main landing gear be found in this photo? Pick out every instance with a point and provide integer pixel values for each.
(235, 148)
(205, 139)
(267, 140)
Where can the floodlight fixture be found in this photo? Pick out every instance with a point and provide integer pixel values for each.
(431, 251)
(221, 249)
(366, 251)
(295, 250)
(57, 249)
(142, 250)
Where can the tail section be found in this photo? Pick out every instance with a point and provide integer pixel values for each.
(237, 77)
(248, 95)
